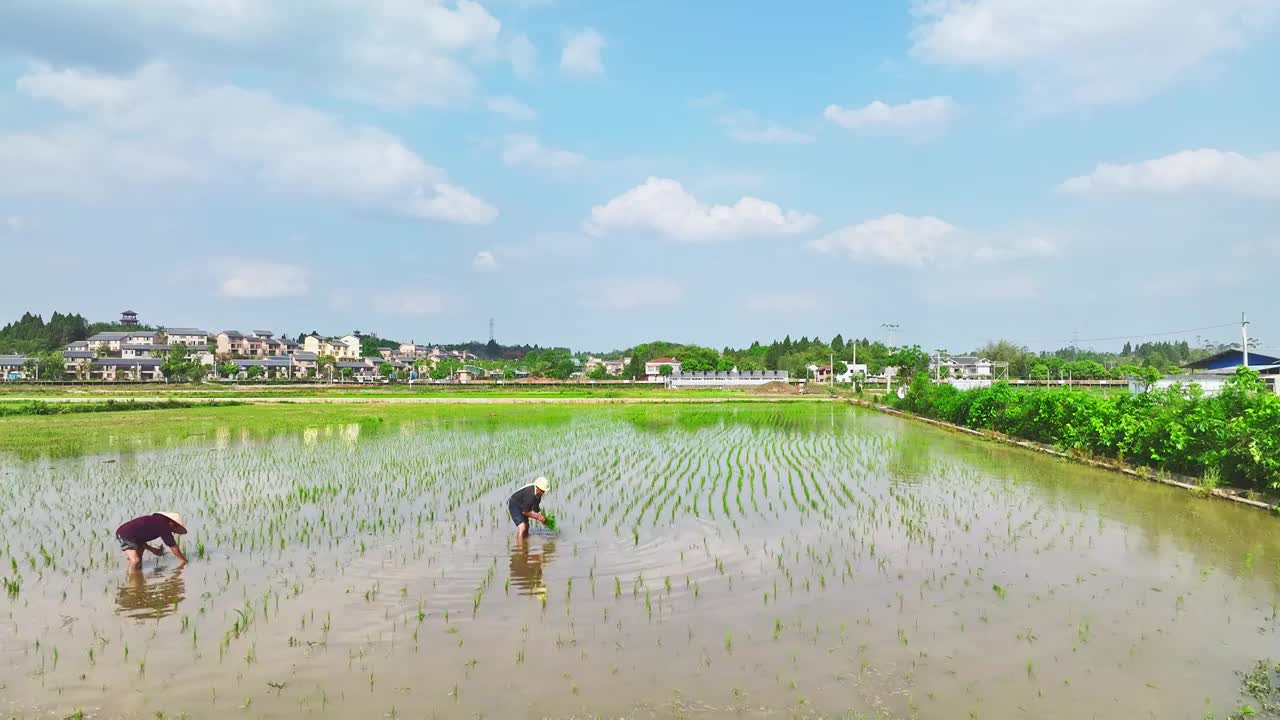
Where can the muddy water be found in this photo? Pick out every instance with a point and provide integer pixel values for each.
(711, 562)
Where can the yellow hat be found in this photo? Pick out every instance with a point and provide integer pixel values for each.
(176, 518)
(542, 484)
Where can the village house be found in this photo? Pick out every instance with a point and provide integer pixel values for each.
(13, 367)
(963, 367)
(852, 372)
(77, 364)
(121, 369)
(819, 373)
(304, 364)
(360, 370)
(190, 337)
(653, 368)
(144, 351)
(111, 342)
(344, 348)
(231, 342)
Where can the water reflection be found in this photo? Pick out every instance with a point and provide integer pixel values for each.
(151, 597)
(529, 558)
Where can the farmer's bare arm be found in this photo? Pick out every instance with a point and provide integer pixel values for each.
(536, 516)
(177, 552)
(156, 550)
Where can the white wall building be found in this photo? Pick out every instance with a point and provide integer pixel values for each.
(733, 378)
(653, 368)
(962, 366)
(191, 337)
(852, 373)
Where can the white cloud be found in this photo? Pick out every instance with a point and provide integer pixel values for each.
(386, 52)
(746, 126)
(523, 55)
(252, 278)
(1087, 51)
(581, 54)
(408, 52)
(414, 302)
(511, 107)
(1205, 169)
(664, 205)
(527, 150)
(914, 116)
(150, 129)
(15, 224)
(783, 301)
(920, 241)
(485, 261)
(635, 292)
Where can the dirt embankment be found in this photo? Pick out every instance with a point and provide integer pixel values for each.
(775, 387)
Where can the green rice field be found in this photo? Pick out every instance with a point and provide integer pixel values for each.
(800, 559)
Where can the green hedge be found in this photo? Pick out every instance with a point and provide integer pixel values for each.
(67, 408)
(1234, 436)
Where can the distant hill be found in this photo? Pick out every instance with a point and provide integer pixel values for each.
(31, 334)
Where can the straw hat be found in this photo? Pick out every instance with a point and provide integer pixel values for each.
(176, 518)
(542, 484)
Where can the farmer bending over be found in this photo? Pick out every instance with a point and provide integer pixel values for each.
(526, 503)
(135, 534)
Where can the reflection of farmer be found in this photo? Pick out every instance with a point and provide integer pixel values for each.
(135, 534)
(158, 598)
(527, 567)
(526, 503)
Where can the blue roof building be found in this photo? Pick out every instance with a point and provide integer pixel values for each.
(1229, 360)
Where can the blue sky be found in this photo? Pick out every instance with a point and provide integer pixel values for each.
(599, 174)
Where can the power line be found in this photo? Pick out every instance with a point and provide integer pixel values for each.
(1135, 336)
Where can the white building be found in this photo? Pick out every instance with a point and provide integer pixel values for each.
(112, 341)
(852, 372)
(733, 378)
(144, 351)
(344, 348)
(653, 368)
(191, 337)
(962, 366)
(13, 367)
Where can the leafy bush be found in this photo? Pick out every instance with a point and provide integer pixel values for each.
(1235, 435)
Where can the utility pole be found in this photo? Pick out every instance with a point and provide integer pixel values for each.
(1244, 335)
(891, 327)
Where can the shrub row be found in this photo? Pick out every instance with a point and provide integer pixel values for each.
(1233, 437)
(67, 408)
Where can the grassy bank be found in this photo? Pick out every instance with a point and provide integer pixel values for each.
(1231, 439)
(21, 409)
(222, 423)
(358, 391)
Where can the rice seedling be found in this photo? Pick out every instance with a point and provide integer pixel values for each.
(833, 518)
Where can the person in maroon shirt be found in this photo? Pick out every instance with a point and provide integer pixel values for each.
(135, 535)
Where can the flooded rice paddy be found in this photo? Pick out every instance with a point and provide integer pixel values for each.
(804, 560)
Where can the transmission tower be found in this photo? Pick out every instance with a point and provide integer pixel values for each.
(490, 329)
